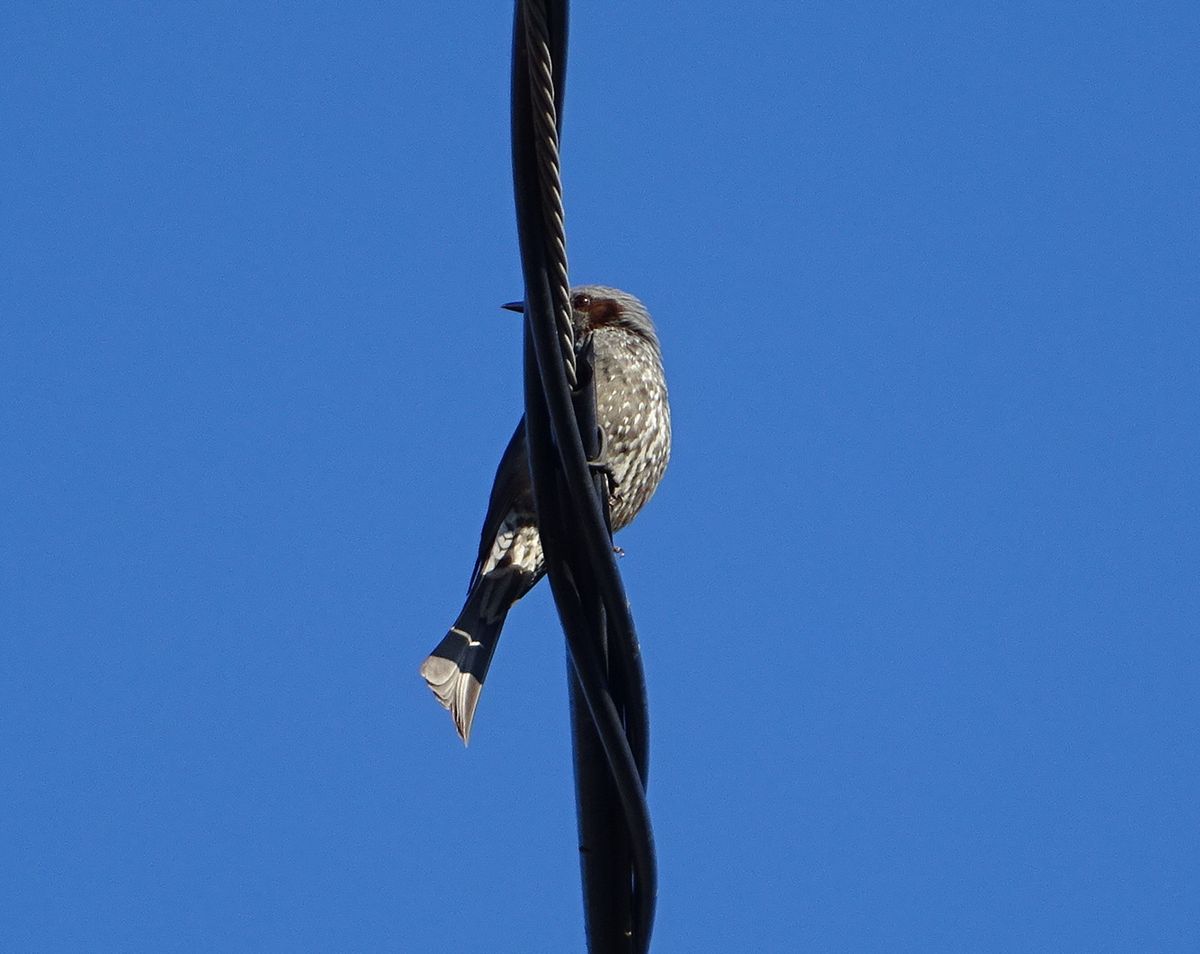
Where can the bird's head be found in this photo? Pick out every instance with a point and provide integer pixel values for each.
(598, 307)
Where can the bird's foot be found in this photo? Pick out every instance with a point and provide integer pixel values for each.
(618, 551)
(602, 464)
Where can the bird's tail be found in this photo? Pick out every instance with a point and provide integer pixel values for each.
(456, 668)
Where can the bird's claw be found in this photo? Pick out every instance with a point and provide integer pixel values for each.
(602, 466)
(601, 463)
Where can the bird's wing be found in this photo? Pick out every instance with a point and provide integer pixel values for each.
(512, 489)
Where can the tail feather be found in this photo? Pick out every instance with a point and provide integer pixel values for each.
(457, 667)
(455, 670)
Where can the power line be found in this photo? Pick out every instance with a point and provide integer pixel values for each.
(609, 720)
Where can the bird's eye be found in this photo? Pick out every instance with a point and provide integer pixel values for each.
(582, 302)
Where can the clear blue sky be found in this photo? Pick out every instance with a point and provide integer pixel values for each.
(919, 596)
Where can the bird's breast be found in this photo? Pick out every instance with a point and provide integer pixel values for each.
(632, 410)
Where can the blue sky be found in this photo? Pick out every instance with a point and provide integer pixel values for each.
(918, 596)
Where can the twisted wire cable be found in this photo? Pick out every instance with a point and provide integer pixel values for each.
(621, 728)
(545, 123)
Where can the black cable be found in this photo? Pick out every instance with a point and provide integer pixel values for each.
(620, 881)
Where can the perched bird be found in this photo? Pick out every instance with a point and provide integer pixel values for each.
(632, 411)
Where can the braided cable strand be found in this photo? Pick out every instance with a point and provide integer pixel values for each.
(608, 708)
(545, 122)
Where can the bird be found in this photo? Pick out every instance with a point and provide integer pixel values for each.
(635, 422)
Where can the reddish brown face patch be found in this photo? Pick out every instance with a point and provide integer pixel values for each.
(603, 311)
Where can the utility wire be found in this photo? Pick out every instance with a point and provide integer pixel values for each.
(546, 127)
(609, 711)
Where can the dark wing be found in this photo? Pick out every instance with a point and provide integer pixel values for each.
(512, 489)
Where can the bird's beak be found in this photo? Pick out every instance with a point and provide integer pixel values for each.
(517, 306)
